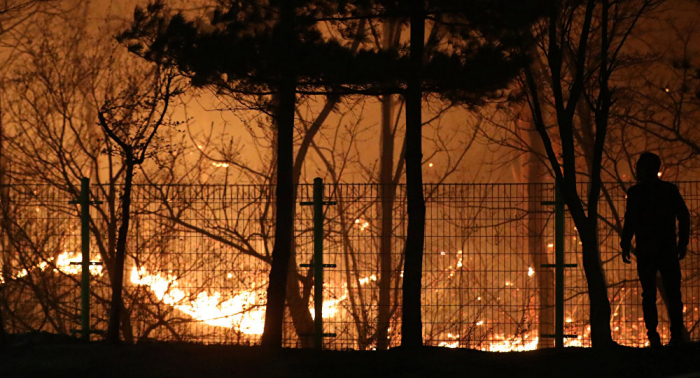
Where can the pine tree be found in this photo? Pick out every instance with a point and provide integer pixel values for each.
(265, 55)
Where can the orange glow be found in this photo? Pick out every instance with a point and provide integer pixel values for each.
(64, 260)
(63, 264)
(501, 343)
(243, 311)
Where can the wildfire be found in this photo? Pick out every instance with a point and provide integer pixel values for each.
(498, 343)
(330, 307)
(243, 312)
(501, 343)
(362, 223)
(66, 263)
(366, 280)
(505, 343)
(450, 344)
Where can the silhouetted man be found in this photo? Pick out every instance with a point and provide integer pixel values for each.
(653, 206)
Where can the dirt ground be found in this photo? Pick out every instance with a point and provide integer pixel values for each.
(54, 356)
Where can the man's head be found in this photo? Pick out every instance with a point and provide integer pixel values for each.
(648, 166)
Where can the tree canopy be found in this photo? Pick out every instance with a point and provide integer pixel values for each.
(237, 49)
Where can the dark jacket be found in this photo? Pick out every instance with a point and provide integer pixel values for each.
(652, 209)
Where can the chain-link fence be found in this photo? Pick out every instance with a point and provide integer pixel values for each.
(198, 263)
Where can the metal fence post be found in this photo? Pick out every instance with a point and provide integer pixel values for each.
(559, 269)
(559, 265)
(84, 202)
(85, 251)
(318, 264)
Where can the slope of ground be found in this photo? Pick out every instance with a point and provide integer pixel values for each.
(49, 356)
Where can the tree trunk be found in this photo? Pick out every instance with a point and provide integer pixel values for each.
(284, 192)
(387, 196)
(298, 303)
(4, 231)
(117, 303)
(281, 252)
(299, 306)
(586, 224)
(536, 244)
(411, 326)
(127, 330)
(601, 336)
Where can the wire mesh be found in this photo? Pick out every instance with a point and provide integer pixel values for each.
(39, 235)
(198, 264)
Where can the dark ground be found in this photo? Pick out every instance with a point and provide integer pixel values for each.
(42, 355)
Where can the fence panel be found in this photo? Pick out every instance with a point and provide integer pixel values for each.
(198, 264)
(39, 238)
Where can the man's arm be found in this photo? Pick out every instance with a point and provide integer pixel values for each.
(683, 226)
(629, 227)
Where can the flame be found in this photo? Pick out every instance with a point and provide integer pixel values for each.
(501, 343)
(243, 312)
(506, 343)
(366, 280)
(450, 344)
(330, 307)
(362, 223)
(498, 343)
(577, 342)
(64, 260)
(65, 263)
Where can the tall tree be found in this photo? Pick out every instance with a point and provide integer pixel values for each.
(131, 119)
(15, 25)
(284, 191)
(411, 325)
(62, 77)
(387, 179)
(482, 62)
(279, 52)
(583, 44)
